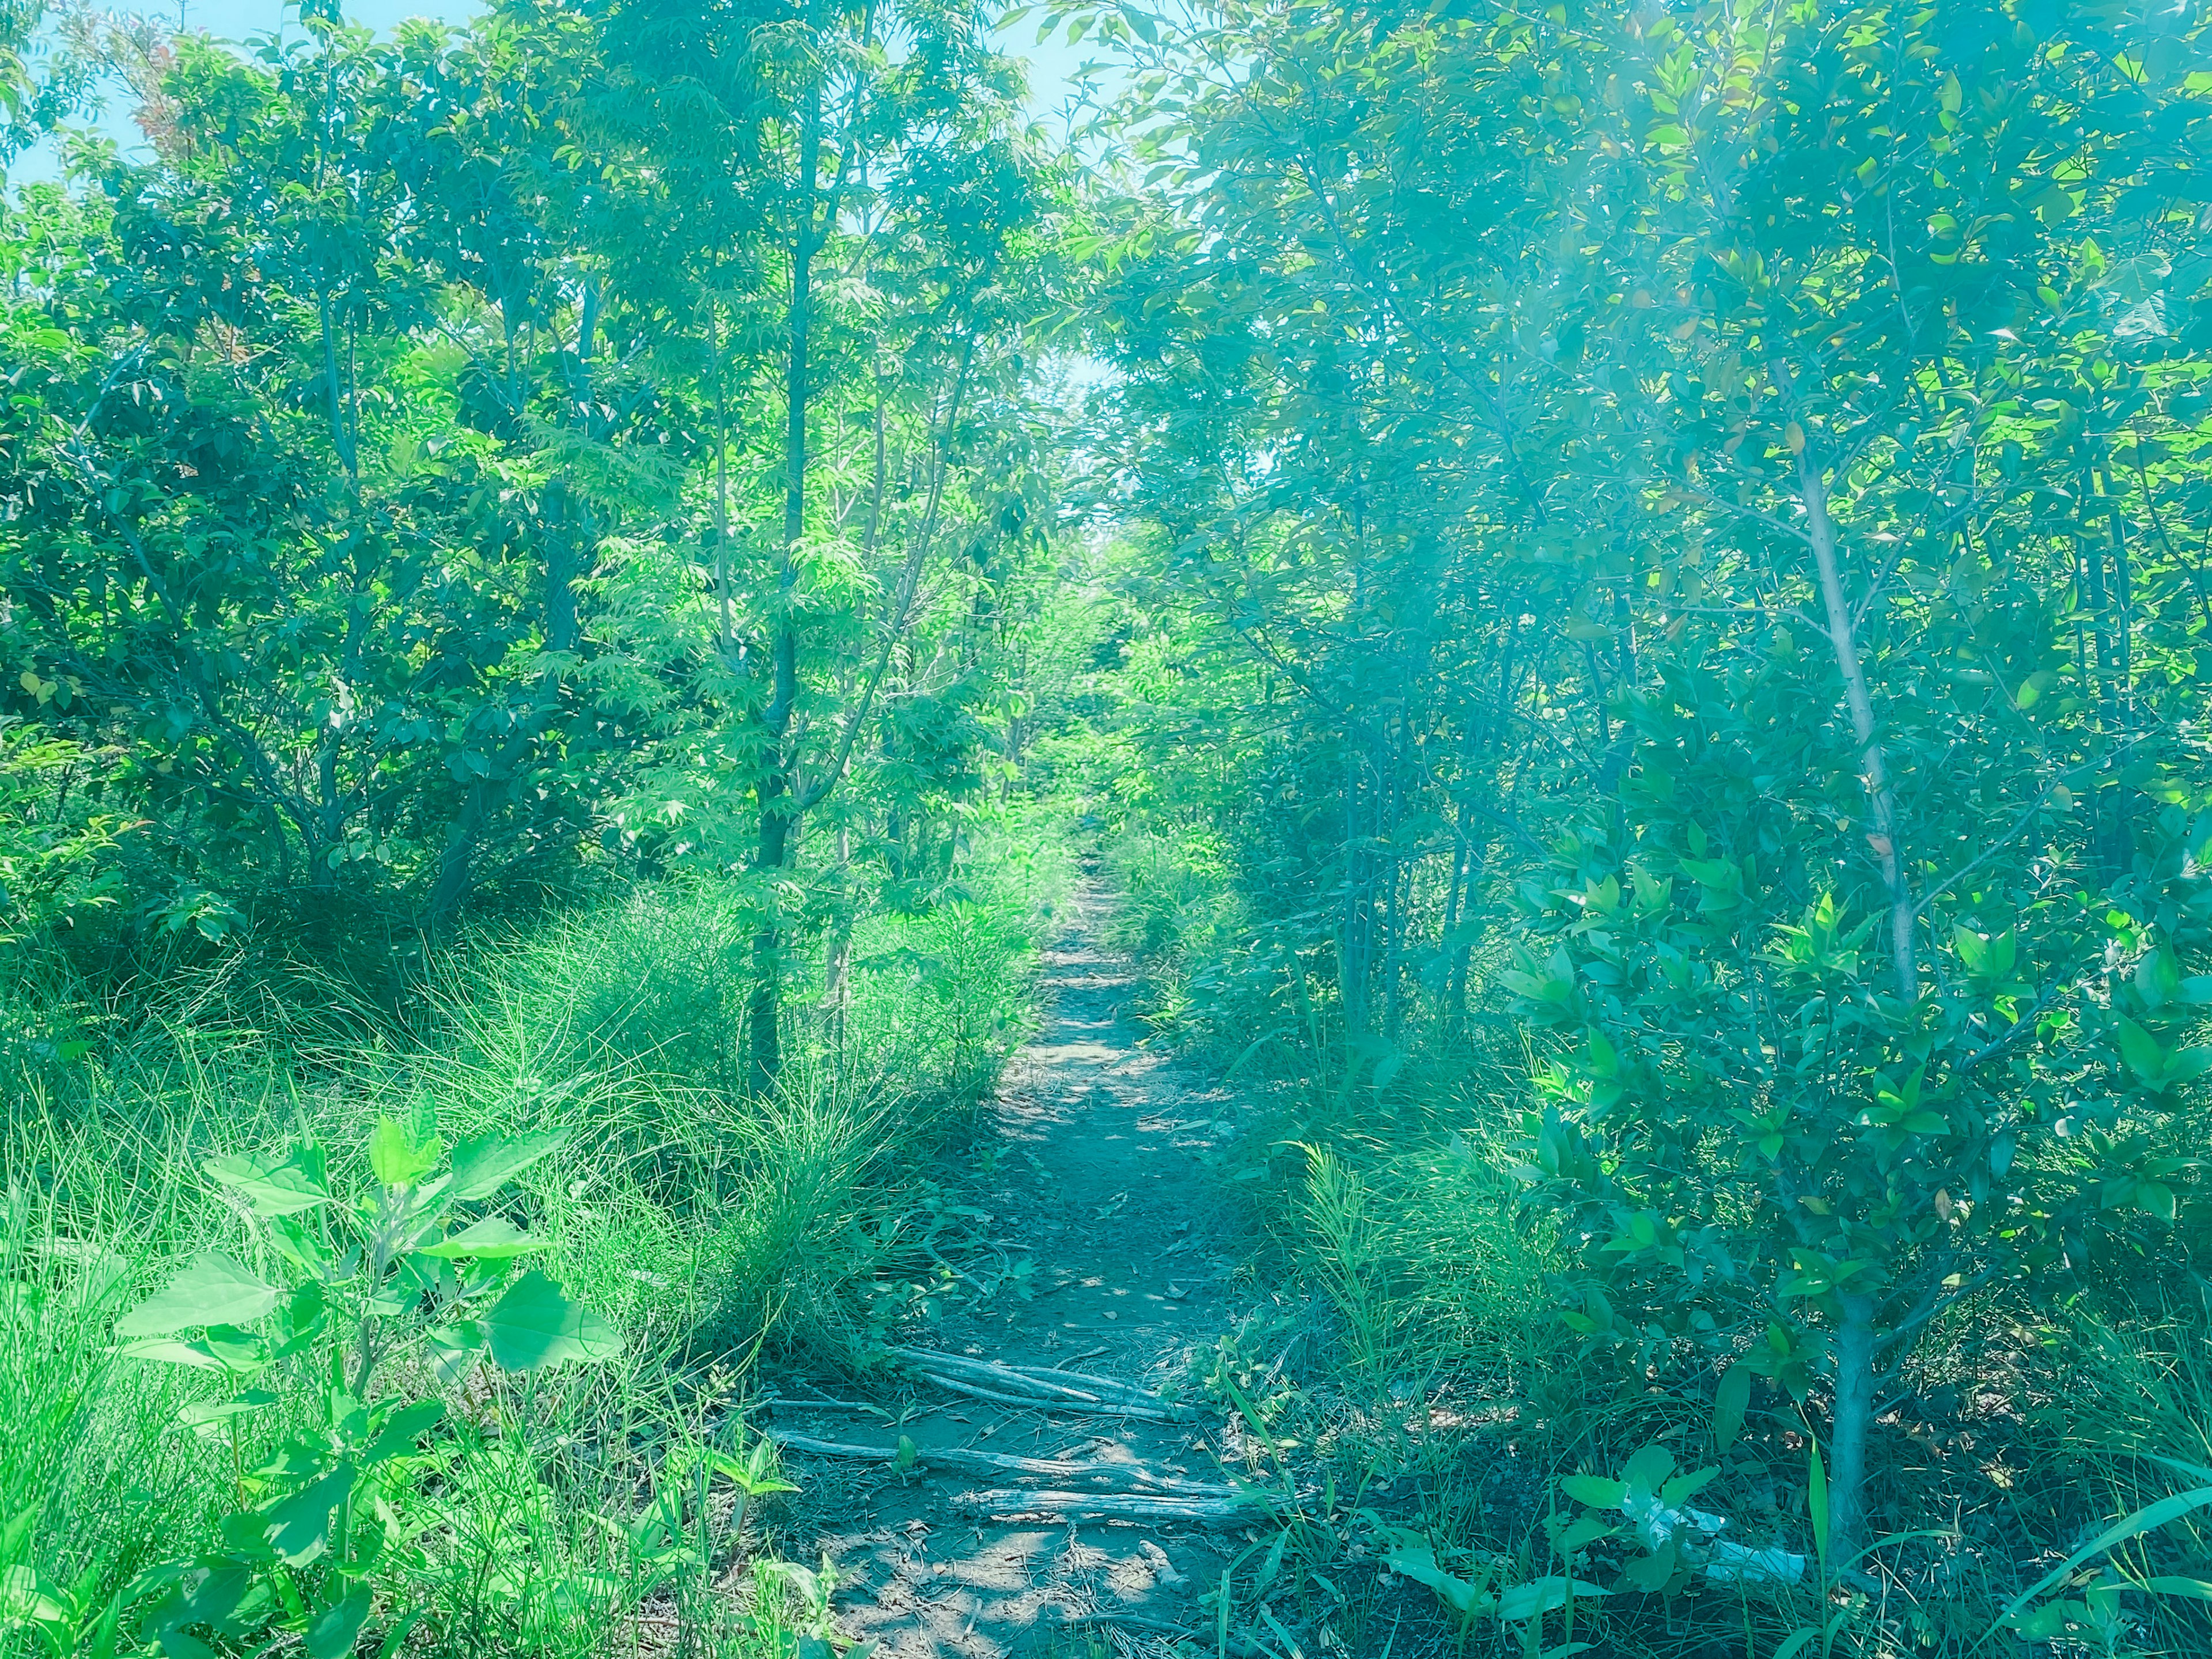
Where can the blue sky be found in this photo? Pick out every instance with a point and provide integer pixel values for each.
(1051, 63)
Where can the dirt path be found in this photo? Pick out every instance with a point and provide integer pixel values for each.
(1098, 1181)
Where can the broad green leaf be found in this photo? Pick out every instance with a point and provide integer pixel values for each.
(1647, 1469)
(405, 1426)
(397, 1158)
(331, 1634)
(1541, 1596)
(1595, 1490)
(1686, 1485)
(1729, 1401)
(212, 1290)
(495, 1238)
(172, 1351)
(534, 1325)
(203, 1414)
(298, 1527)
(1412, 1555)
(484, 1165)
(28, 1599)
(275, 1187)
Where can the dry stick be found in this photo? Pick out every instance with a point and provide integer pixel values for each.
(1126, 1476)
(1039, 1402)
(932, 1364)
(1094, 1506)
(1018, 1376)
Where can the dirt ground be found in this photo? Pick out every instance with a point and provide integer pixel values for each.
(1097, 1180)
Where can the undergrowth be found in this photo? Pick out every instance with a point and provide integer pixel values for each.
(1420, 1374)
(705, 1227)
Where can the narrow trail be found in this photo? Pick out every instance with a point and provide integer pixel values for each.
(1098, 1182)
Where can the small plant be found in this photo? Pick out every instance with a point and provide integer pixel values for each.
(412, 1265)
(1647, 1506)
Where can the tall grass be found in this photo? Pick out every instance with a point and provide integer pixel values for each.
(711, 1227)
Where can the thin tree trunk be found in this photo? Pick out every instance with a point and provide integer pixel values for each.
(775, 783)
(721, 489)
(1883, 834)
(2113, 815)
(1847, 1432)
(453, 864)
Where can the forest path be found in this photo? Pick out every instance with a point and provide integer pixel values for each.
(1096, 1178)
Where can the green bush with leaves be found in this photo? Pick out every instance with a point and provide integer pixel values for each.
(1765, 1154)
(414, 1271)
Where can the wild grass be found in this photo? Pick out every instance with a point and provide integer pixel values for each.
(708, 1226)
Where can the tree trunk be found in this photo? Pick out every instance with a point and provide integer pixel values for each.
(1883, 832)
(452, 883)
(1847, 1432)
(560, 600)
(775, 783)
(2113, 811)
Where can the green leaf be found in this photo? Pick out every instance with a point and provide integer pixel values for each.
(1541, 1596)
(1730, 1401)
(2145, 1056)
(201, 1413)
(275, 1187)
(2193, 1589)
(534, 1325)
(453, 1350)
(495, 1238)
(1412, 1555)
(397, 1158)
(1816, 1501)
(484, 1165)
(1647, 1469)
(26, 1598)
(332, 1634)
(212, 1290)
(170, 1352)
(1595, 1490)
(298, 1527)
(406, 1426)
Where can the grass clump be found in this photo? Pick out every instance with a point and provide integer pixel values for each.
(690, 1227)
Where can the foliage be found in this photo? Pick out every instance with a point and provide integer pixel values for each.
(174, 1151)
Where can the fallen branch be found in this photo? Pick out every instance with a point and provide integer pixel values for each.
(1050, 1402)
(1121, 1476)
(1018, 1383)
(1100, 1506)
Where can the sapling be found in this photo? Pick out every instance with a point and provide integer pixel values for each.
(1765, 1154)
(409, 1265)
